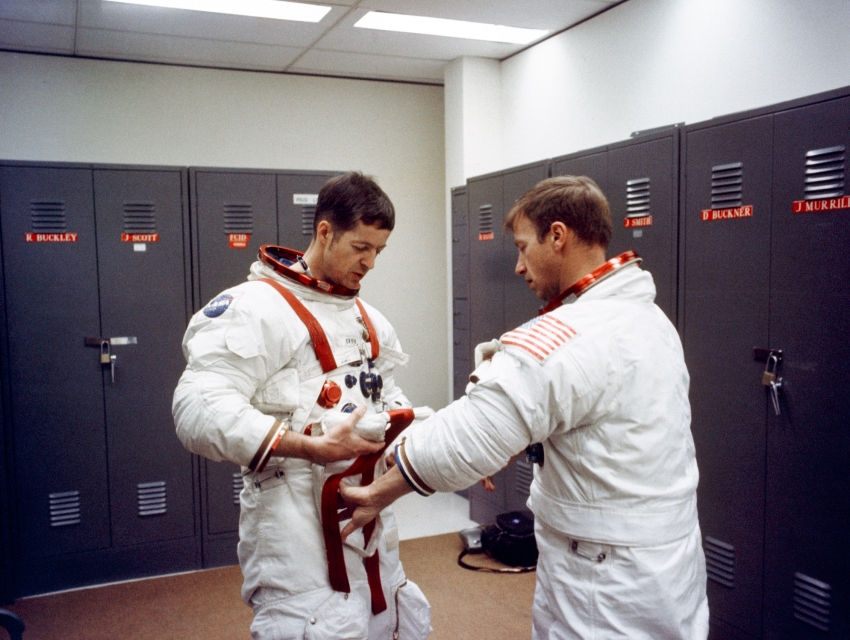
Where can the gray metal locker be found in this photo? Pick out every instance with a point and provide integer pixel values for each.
(462, 348)
(488, 272)
(234, 212)
(807, 567)
(144, 285)
(643, 188)
(725, 314)
(50, 256)
(521, 303)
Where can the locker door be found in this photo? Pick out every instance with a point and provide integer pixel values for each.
(55, 380)
(521, 303)
(643, 199)
(227, 203)
(296, 207)
(460, 291)
(807, 573)
(726, 284)
(488, 269)
(488, 272)
(144, 304)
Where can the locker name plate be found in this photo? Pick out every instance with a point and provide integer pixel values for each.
(643, 221)
(708, 215)
(305, 198)
(51, 237)
(139, 237)
(238, 240)
(826, 204)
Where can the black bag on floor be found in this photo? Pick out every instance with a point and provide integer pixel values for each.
(511, 540)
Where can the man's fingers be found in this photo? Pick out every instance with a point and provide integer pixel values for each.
(347, 530)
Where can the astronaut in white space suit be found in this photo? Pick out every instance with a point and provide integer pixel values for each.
(599, 379)
(279, 370)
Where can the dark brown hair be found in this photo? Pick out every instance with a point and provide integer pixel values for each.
(350, 198)
(577, 201)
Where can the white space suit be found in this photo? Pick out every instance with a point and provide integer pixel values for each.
(601, 382)
(253, 371)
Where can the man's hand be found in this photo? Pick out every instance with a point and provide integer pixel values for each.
(341, 443)
(367, 502)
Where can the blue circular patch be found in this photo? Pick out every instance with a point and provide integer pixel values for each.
(218, 305)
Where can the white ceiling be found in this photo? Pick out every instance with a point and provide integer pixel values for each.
(98, 29)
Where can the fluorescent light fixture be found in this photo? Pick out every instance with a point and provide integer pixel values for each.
(277, 9)
(448, 28)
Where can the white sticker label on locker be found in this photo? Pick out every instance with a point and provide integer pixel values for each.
(124, 340)
(140, 246)
(305, 198)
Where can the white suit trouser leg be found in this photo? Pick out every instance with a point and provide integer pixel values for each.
(329, 615)
(595, 591)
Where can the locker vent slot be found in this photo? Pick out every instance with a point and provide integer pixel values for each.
(151, 497)
(524, 476)
(485, 219)
(308, 212)
(637, 198)
(238, 483)
(824, 173)
(720, 561)
(48, 216)
(727, 185)
(238, 217)
(64, 508)
(812, 601)
(139, 217)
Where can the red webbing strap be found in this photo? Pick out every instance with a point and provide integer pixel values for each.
(400, 419)
(373, 337)
(320, 341)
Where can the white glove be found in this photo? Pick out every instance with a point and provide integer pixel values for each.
(486, 351)
(371, 427)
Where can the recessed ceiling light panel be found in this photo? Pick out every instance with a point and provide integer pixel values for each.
(449, 28)
(277, 9)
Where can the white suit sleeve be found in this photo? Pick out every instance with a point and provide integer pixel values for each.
(229, 356)
(477, 435)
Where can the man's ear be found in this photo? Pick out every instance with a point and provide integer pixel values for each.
(560, 235)
(324, 233)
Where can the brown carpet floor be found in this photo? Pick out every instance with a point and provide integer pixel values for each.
(206, 605)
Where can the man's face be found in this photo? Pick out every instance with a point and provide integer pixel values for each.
(350, 255)
(537, 260)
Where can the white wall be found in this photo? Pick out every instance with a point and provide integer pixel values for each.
(649, 63)
(75, 110)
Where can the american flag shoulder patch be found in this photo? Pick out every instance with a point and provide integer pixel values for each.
(540, 337)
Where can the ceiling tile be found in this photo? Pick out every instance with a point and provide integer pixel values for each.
(50, 11)
(201, 24)
(180, 50)
(370, 66)
(35, 37)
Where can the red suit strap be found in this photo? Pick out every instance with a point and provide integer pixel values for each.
(320, 341)
(370, 328)
(400, 419)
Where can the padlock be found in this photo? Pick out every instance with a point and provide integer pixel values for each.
(768, 378)
(104, 353)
